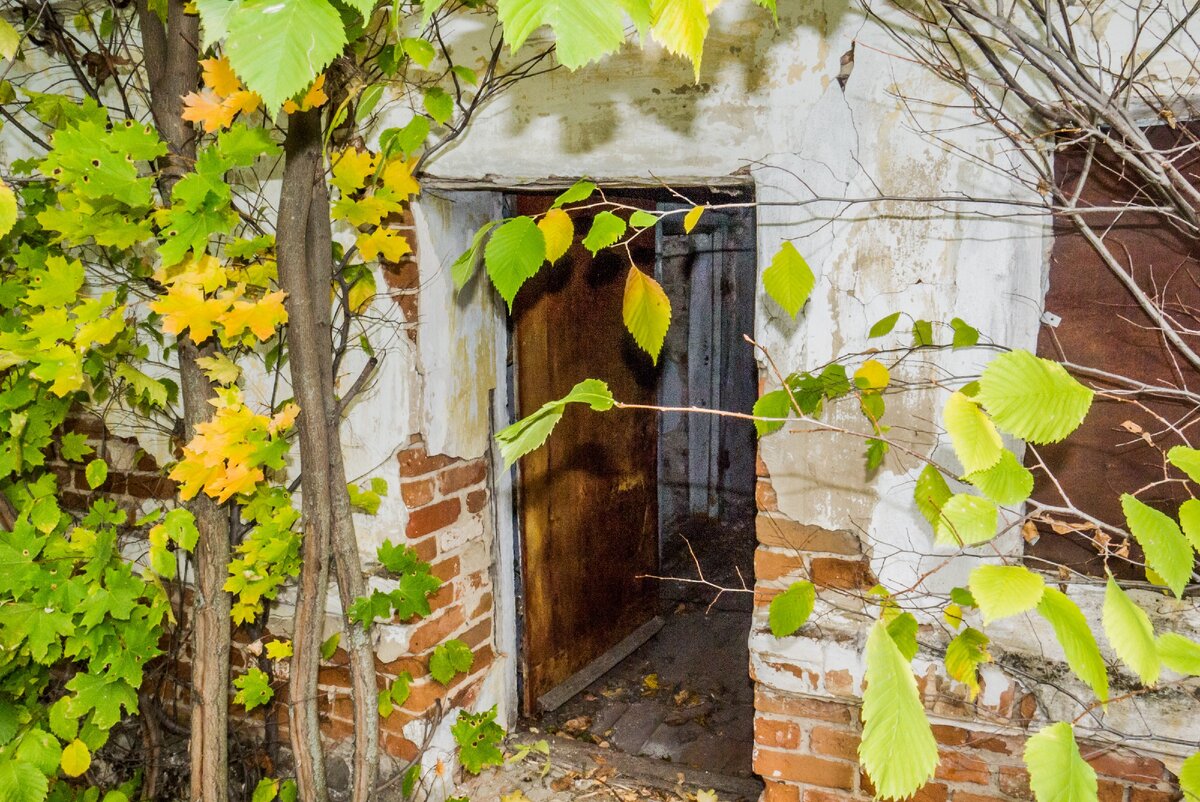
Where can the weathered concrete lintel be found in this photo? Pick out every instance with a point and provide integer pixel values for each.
(492, 182)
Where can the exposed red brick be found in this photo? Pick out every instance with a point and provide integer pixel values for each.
(1126, 766)
(770, 565)
(432, 631)
(776, 765)
(1110, 791)
(831, 572)
(967, 796)
(409, 305)
(336, 676)
(773, 732)
(760, 467)
(442, 598)
(1014, 782)
(840, 682)
(446, 570)
(950, 736)
(398, 746)
(834, 743)
(477, 634)
(402, 276)
(451, 480)
(418, 493)
(426, 549)
(764, 496)
(821, 795)
(389, 671)
(142, 486)
(416, 462)
(1139, 793)
(780, 792)
(337, 729)
(476, 500)
(422, 695)
(929, 792)
(432, 518)
(955, 766)
(766, 701)
(782, 532)
(483, 608)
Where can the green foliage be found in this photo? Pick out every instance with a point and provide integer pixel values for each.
(975, 439)
(964, 654)
(414, 585)
(965, 335)
(530, 432)
(450, 659)
(1008, 482)
(884, 326)
(253, 689)
(1001, 591)
(1033, 398)
(1168, 552)
(606, 229)
(581, 190)
(1130, 633)
(966, 520)
(584, 32)
(1057, 772)
(1179, 654)
(513, 255)
(788, 279)
(1189, 777)
(894, 722)
(931, 494)
(464, 266)
(790, 610)
(478, 737)
(395, 695)
(1074, 634)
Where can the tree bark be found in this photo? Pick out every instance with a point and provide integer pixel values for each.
(173, 69)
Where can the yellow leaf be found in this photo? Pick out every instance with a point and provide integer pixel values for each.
(514, 796)
(219, 76)
(681, 27)
(76, 758)
(204, 272)
(261, 317)
(559, 231)
(874, 375)
(361, 293)
(207, 109)
(314, 97)
(351, 169)
(219, 369)
(398, 177)
(186, 307)
(8, 209)
(391, 244)
(646, 311)
(279, 649)
(283, 419)
(244, 101)
(692, 217)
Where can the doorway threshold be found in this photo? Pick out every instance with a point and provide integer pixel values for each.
(634, 771)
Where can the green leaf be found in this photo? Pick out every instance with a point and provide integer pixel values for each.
(1189, 519)
(529, 433)
(894, 722)
(254, 689)
(583, 32)
(931, 494)
(329, 646)
(419, 50)
(774, 404)
(1187, 460)
(1130, 633)
(8, 206)
(1180, 654)
(214, 19)
(1001, 591)
(975, 439)
(964, 655)
(74, 446)
(579, 191)
(10, 40)
(1057, 772)
(884, 326)
(21, 782)
(1007, 483)
(643, 219)
(1033, 398)
(903, 628)
(439, 104)
(965, 335)
(788, 279)
(922, 332)
(966, 520)
(646, 311)
(790, 610)
(8, 721)
(1074, 634)
(278, 47)
(1189, 778)
(95, 473)
(1168, 552)
(464, 266)
(606, 229)
(478, 737)
(681, 27)
(450, 659)
(513, 255)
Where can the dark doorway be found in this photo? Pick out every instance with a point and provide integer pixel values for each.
(616, 508)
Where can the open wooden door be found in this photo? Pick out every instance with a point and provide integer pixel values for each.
(588, 498)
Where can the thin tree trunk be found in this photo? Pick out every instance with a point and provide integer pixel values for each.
(173, 69)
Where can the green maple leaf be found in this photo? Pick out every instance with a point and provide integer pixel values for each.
(101, 696)
(478, 737)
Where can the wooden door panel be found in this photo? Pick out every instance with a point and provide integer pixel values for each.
(588, 498)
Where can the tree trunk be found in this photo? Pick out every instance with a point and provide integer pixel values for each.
(173, 69)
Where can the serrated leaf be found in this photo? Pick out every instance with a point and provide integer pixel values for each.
(1189, 778)
(513, 255)
(1074, 634)
(583, 32)
(95, 473)
(692, 218)
(1057, 772)
(1187, 460)
(10, 40)
(1001, 591)
(76, 758)
(1180, 654)
(922, 333)
(681, 27)
(931, 494)
(774, 404)
(966, 520)
(21, 782)
(606, 229)
(1007, 483)
(439, 104)
(464, 266)
(1168, 552)
(1189, 520)
(530, 432)
(964, 655)
(450, 659)
(788, 279)
(419, 50)
(278, 47)
(903, 628)
(559, 231)
(1033, 398)
(329, 646)
(646, 311)
(884, 326)
(642, 219)
(975, 439)
(266, 790)
(965, 335)
(581, 190)
(790, 610)
(8, 209)
(894, 722)
(1130, 633)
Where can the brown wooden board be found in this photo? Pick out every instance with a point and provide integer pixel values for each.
(588, 498)
(1103, 327)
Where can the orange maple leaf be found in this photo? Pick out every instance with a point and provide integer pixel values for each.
(185, 307)
(243, 101)
(314, 97)
(391, 244)
(219, 76)
(206, 108)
